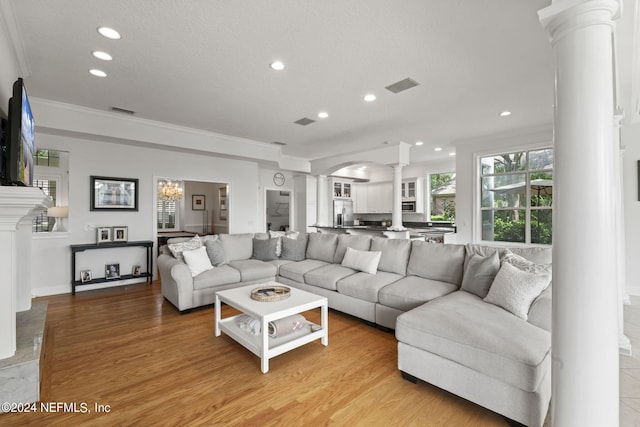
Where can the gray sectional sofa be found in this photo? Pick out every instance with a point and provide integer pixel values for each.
(465, 320)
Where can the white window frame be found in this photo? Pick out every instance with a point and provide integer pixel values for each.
(477, 190)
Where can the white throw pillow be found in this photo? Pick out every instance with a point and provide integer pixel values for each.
(366, 261)
(197, 260)
(514, 289)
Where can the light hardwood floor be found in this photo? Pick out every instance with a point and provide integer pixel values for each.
(129, 349)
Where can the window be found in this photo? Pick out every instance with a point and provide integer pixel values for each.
(50, 158)
(443, 197)
(166, 214)
(517, 196)
(50, 185)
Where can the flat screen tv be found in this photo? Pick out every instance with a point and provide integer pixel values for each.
(19, 135)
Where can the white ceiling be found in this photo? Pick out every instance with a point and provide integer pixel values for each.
(205, 64)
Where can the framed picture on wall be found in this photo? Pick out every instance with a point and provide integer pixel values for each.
(113, 194)
(198, 202)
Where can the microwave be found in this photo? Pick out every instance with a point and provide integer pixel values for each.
(408, 206)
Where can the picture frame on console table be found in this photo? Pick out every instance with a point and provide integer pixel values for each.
(120, 234)
(113, 194)
(112, 271)
(103, 235)
(85, 276)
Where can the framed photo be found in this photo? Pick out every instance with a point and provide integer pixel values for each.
(197, 202)
(85, 276)
(113, 194)
(137, 270)
(112, 271)
(104, 235)
(120, 234)
(222, 198)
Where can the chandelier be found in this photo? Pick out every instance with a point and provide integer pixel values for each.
(169, 191)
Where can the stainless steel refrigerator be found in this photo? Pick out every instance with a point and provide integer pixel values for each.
(342, 213)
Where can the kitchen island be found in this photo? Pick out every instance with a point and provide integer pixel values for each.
(415, 231)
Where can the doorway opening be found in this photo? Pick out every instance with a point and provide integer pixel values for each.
(278, 210)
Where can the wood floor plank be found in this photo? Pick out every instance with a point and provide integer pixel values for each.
(131, 350)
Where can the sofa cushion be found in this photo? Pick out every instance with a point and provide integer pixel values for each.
(279, 262)
(322, 247)
(366, 286)
(237, 246)
(253, 269)
(265, 249)
(366, 261)
(436, 261)
(514, 289)
(215, 250)
(179, 246)
(526, 265)
(197, 260)
(464, 329)
(360, 242)
(327, 276)
(296, 270)
(479, 274)
(412, 291)
(218, 276)
(294, 249)
(279, 235)
(395, 254)
(536, 254)
(472, 249)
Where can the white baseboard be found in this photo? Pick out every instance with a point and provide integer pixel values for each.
(51, 290)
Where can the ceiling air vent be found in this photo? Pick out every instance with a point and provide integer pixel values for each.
(402, 85)
(279, 143)
(304, 121)
(123, 111)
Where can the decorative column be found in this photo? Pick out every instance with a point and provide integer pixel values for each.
(322, 200)
(16, 204)
(585, 363)
(396, 212)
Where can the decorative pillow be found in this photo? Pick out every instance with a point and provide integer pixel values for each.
(355, 241)
(177, 248)
(265, 250)
(524, 264)
(215, 250)
(294, 249)
(237, 247)
(479, 273)
(514, 289)
(366, 261)
(280, 235)
(197, 260)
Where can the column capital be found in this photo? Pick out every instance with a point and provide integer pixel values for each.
(566, 16)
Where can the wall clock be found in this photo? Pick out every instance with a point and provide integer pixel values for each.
(278, 179)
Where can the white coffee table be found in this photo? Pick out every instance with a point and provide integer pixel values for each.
(263, 345)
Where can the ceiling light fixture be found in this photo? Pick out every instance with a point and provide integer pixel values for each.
(369, 97)
(419, 143)
(101, 55)
(323, 114)
(437, 149)
(277, 66)
(505, 113)
(109, 33)
(97, 73)
(169, 191)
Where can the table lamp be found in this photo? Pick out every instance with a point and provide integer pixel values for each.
(58, 212)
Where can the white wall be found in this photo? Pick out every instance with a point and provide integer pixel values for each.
(631, 141)
(91, 157)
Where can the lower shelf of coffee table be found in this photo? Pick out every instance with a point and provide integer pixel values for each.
(277, 345)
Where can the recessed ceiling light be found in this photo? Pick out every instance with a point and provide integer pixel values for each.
(453, 153)
(323, 114)
(277, 66)
(109, 33)
(102, 55)
(369, 97)
(437, 149)
(419, 143)
(97, 73)
(505, 113)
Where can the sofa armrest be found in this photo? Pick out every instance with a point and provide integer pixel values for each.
(540, 310)
(176, 282)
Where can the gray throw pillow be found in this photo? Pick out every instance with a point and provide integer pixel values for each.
(479, 274)
(322, 246)
(294, 249)
(215, 252)
(265, 249)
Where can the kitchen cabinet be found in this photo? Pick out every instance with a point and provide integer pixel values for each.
(360, 198)
(413, 191)
(341, 189)
(379, 197)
